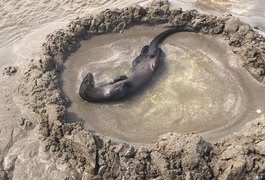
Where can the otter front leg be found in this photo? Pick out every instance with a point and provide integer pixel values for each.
(122, 90)
(119, 78)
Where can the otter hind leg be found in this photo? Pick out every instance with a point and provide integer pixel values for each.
(158, 58)
(139, 58)
(145, 49)
(119, 78)
(160, 51)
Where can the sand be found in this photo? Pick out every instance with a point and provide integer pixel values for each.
(41, 145)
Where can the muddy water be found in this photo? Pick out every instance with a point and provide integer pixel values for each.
(200, 87)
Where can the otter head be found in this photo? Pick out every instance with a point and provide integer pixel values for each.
(88, 81)
(87, 84)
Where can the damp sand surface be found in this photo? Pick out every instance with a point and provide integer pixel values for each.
(249, 11)
(236, 7)
(200, 87)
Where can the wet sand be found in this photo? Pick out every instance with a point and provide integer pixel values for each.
(199, 88)
(23, 156)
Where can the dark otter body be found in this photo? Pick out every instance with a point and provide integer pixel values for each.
(144, 66)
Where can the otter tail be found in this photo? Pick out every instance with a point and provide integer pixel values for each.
(159, 38)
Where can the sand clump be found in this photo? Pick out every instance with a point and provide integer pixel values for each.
(79, 154)
(9, 70)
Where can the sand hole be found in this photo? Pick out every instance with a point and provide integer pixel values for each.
(199, 88)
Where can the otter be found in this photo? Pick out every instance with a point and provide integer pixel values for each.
(144, 67)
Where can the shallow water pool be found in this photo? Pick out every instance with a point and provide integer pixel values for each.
(200, 87)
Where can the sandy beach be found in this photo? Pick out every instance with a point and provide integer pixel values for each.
(40, 45)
